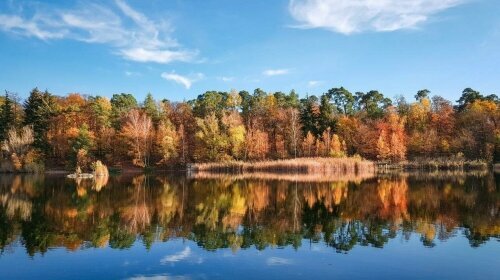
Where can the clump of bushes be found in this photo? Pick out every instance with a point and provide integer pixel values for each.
(101, 175)
(100, 170)
(17, 153)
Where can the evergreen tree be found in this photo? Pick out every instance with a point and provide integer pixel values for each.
(6, 117)
(121, 104)
(343, 100)
(468, 96)
(327, 120)
(373, 103)
(39, 109)
(421, 94)
(151, 109)
(310, 115)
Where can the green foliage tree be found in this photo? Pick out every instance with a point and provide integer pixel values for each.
(151, 108)
(84, 140)
(39, 108)
(121, 104)
(327, 117)
(310, 115)
(343, 99)
(100, 110)
(81, 147)
(421, 94)
(373, 103)
(210, 102)
(469, 96)
(7, 119)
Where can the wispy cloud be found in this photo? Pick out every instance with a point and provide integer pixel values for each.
(30, 28)
(278, 261)
(313, 83)
(129, 33)
(276, 72)
(348, 16)
(182, 255)
(186, 81)
(132, 74)
(226, 79)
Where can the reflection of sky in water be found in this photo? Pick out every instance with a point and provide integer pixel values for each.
(453, 259)
(425, 228)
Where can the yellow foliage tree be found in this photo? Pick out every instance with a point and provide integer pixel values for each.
(167, 141)
(337, 147)
(138, 131)
(308, 145)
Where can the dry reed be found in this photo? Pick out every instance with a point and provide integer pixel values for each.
(438, 163)
(290, 177)
(316, 167)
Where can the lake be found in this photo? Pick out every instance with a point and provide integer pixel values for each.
(414, 226)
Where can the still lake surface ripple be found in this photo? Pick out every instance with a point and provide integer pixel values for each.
(412, 226)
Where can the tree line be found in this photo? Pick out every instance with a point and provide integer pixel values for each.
(217, 126)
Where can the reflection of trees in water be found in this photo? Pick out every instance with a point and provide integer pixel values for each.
(16, 205)
(246, 213)
(135, 214)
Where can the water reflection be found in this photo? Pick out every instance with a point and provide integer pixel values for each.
(232, 212)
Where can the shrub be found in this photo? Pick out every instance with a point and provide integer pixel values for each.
(21, 157)
(100, 169)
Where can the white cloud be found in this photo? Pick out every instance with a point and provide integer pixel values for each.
(18, 25)
(159, 56)
(182, 255)
(131, 74)
(226, 79)
(313, 83)
(128, 32)
(276, 72)
(278, 261)
(186, 81)
(351, 16)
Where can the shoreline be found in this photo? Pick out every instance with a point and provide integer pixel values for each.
(304, 166)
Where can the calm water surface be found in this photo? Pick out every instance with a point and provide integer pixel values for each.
(443, 225)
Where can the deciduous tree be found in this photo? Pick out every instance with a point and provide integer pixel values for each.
(138, 131)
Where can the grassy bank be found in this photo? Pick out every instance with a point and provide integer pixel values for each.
(434, 164)
(320, 166)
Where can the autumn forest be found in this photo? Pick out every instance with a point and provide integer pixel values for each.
(62, 132)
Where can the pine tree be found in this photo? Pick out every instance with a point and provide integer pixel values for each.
(38, 110)
(6, 117)
(121, 105)
(151, 109)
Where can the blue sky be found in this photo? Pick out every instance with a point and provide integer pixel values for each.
(178, 49)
